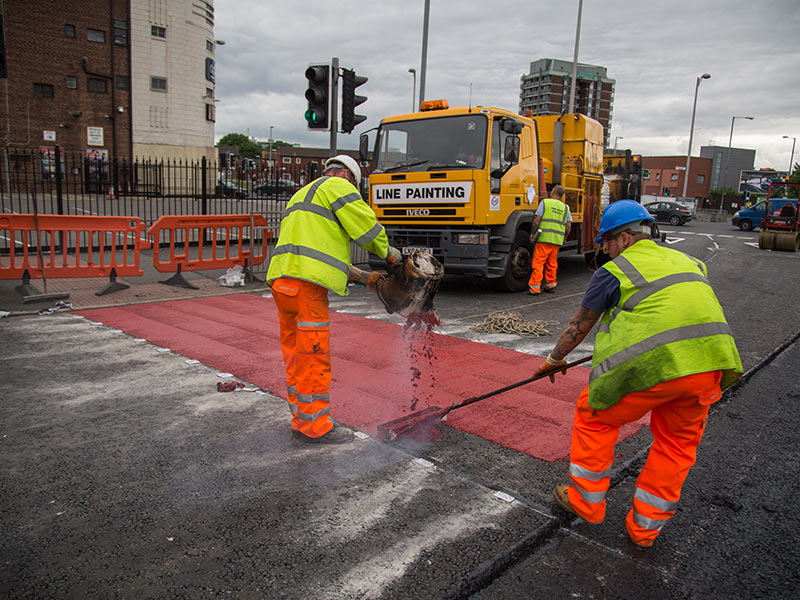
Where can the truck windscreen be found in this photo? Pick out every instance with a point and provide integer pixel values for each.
(441, 143)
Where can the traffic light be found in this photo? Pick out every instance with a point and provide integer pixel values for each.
(666, 190)
(318, 96)
(350, 81)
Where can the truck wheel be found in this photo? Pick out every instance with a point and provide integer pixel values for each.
(745, 225)
(518, 267)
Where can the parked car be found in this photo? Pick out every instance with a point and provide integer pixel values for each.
(669, 212)
(281, 188)
(226, 189)
(748, 218)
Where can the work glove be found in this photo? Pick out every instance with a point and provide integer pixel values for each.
(370, 279)
(553, 366)
(393, 259)
(375, 280)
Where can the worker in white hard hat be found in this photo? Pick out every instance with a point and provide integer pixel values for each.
(312, 256)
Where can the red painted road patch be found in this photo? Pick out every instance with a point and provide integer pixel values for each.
(379, 374)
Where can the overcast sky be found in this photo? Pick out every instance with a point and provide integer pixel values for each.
(654, 49)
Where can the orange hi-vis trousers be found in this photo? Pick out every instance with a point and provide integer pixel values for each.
(545, 260)
(679, 409)
(305, 342)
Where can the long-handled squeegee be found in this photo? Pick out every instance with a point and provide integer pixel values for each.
(431, 416)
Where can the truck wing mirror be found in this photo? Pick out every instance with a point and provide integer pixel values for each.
(511, 150)
(511, 126)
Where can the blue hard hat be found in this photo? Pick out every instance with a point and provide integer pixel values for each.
(619, 213)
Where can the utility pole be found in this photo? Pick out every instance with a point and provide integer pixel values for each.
(575, 61)
(423, 66)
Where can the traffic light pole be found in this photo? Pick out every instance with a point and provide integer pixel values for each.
(334, 123)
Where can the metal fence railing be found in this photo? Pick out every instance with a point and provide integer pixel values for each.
(68, 183)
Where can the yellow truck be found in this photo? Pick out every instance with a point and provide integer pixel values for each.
(464, 184)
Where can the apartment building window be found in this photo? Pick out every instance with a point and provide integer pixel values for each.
(159, 32)
(69, 31)
(658, 176)
(123, 83)
(158, 84)
(120, 32)
(287, 160)
(209, 45)
(43, 90)
(96, 35)
(674, 177)
(701, 179)
(211, 112)
(72, 82)
(209, 92)
(97, 86)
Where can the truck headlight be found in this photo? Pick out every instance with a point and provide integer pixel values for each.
(472, 238)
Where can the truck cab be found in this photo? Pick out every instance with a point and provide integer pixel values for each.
(464, 183)
(460, 183)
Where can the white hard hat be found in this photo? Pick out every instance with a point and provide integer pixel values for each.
(346, 161)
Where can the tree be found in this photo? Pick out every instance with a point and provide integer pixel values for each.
(247, 147)
(795, 174)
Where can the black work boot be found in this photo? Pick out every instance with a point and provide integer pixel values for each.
(337, 435)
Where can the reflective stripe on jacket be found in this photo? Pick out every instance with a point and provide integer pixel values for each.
(553, 224)
(314, 240)
(668, 323)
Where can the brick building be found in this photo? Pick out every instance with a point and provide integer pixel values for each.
(546, 89)
(300, 164)
(108, 77)
(665, 175)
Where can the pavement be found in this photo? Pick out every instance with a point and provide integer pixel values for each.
(124, 473)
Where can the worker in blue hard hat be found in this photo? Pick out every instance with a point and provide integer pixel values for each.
(663, 346)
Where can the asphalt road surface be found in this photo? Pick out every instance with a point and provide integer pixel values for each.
(125, 474)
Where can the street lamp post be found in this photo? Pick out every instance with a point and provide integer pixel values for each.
(574, 81)
(271, 143)
(413, 71)
(791, 160)
(727, 160)
(616, 139)
(691, 133)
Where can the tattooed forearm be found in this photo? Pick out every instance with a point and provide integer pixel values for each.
(578, 328)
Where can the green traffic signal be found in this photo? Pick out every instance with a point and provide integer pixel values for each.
(316, 115)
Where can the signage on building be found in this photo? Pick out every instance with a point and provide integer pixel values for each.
(757, 182)
(49, 136)
(210, 69)
(94, 136)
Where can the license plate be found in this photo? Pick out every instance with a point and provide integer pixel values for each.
(411, 249)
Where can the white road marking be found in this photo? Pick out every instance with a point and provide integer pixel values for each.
(753, 244)
(674, 240)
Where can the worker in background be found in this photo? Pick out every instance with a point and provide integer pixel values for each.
(311, 257)
(663, 346)
(551, 225)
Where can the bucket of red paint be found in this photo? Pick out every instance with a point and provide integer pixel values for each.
(409, 291)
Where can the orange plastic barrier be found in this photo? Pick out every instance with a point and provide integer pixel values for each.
(228, 245)
(72, 246)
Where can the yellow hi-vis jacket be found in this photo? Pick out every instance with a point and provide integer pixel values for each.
(314, 240)
(668, 323)
(553, 225)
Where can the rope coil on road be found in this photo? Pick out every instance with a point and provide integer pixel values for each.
(512, 322)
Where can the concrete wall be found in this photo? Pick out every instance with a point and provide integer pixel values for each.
(175, 118)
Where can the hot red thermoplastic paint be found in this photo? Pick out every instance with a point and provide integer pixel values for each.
(373, 364)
